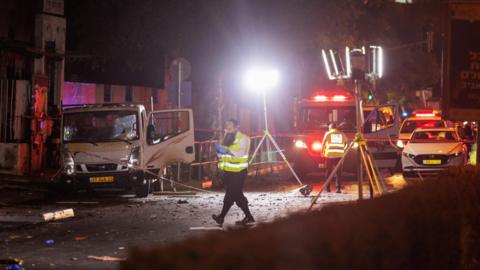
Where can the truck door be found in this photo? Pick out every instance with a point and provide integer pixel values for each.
(380, 124)
(169, 138)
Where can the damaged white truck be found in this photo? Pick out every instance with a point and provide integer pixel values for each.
(122, 146)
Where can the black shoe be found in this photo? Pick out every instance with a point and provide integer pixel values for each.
(245, 221)
(218, 219)
(338, 191)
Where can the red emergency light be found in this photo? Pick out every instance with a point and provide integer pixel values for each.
(425, 113)
(320, 98)
(339, 98)
(317, 146)
(335, 98)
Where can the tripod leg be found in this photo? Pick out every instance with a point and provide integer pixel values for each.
(370, 172)
(284, 158)
(330, 177)
(258, 148)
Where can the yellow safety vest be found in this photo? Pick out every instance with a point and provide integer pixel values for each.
(334, 144)
(239, 160)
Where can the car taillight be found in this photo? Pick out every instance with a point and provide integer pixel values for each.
(317, 146)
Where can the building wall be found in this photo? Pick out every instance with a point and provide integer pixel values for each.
(91, 93)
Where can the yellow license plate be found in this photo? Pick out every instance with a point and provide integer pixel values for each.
(101, 179)
(432, 162)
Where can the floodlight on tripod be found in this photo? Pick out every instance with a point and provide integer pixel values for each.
(264, 79)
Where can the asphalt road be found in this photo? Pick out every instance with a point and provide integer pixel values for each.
(109, 225)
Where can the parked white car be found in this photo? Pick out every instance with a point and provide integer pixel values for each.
(432, 150)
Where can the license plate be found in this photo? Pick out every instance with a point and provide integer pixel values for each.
(101, 179)
(432, 162)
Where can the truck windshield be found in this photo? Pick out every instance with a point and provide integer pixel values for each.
(312, 118)
(100, 126)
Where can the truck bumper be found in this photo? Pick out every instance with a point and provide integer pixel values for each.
(126, 180)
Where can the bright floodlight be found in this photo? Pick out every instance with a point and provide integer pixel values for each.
(261, 79)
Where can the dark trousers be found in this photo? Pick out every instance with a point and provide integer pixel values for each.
(331, 163)
(233, 182)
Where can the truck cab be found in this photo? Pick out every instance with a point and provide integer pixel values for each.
(122, 146)
(338, 105)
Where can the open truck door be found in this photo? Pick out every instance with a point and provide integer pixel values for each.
(381, 123)
(169, 138)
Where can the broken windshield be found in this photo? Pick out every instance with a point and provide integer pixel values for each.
(100, 126)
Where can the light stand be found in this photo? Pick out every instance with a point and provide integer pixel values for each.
(258, 80)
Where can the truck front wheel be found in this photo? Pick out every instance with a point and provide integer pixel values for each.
(143, 190)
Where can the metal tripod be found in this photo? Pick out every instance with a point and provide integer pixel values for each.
(267, 137)
(376, 180)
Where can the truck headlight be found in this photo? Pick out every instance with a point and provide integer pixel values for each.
(400, 144)
(455, 154)
(68, 163)
(300, 144)
(134, 158)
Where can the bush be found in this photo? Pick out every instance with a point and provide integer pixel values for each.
(432, 225)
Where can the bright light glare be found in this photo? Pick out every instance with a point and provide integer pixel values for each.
(300, 144)
(317, 146)
(424, 114)
(261, 79)
(400, 144)
(339, 98)
(320, 98)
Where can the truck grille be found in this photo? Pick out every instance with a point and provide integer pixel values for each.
(101, 167)
(420, 158)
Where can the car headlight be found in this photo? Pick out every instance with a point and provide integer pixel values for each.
(455, 154)
(408, 155)
(400, 144)
(300, 144)
(134, 158)
(68, 163)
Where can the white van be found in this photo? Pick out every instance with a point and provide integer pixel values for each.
(121, 146)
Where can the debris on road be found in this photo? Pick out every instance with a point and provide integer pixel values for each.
(78, 202)
(106, 258)
(50, 242)
(80, 237)
(67, 213)
(182, 201)
(174, 193)
(211, 228)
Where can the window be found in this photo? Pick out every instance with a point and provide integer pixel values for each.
(166, 125)
(128, 94)
(107, 93)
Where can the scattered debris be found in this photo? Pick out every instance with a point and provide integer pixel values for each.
(80, 237)
(29, 218)
(67, 213)
(211, 228)
(174, 193)
(121, 248)
(74, 259)
(78, 202)
(50, 242)
(182, 201)
(106, 258)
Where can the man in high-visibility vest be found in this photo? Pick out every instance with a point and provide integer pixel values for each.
(233, 161)
(333, 148)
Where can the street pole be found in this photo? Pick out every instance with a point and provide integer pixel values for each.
(358, 108)
(478, 144)
(266, 124)
(179, 83)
